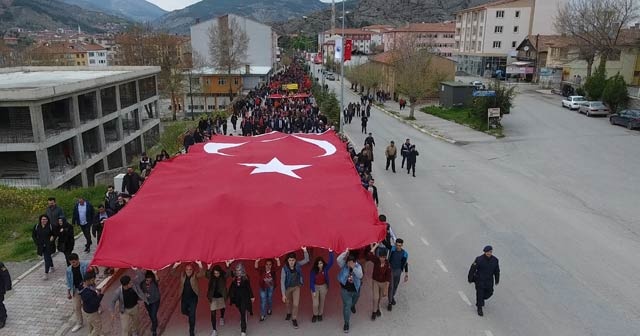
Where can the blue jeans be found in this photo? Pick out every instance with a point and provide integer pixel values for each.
(152, 309)
(266, 300)
(349, 299)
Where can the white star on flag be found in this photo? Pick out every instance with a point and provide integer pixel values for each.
(275, 166)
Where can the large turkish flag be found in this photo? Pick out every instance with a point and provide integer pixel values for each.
(243, 198)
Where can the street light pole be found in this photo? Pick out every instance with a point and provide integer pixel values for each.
(191, 95)
(342, 72)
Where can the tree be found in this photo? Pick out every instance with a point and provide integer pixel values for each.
(615, 93)
(596, 24)
(414, 76)
(503, 100)
(595, 84)
(228, 44)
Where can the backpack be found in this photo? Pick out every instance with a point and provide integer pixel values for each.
(6, 277)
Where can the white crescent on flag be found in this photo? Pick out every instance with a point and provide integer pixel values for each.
(216, 147)
(328, 147)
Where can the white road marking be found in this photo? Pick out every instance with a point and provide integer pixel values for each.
(441, 264)
(464, 298)
(389, 193)
(488, 333)
(410, 222)
(424, 241)
(398, 205)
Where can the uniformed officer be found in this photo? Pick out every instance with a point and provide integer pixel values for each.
(5, 285)
(482, 272)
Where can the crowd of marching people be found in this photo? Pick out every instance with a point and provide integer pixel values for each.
(267, 108)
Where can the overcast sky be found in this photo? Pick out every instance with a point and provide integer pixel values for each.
(173, 4)
(178, 4)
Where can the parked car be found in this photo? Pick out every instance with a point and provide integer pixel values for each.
(478, 84)
(592, 108)
(331, 77)
(573, 102)
(628, 118)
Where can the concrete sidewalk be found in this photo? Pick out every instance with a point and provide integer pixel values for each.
(437, 127)
(40, 307)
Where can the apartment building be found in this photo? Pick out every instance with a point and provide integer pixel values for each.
(68, 54)
(361, 40)
(59, 126)
(377, 36)
(438, 37)
(487, 36)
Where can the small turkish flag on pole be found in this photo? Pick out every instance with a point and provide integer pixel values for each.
(348, 44)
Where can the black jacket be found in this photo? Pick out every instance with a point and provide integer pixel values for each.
(483, 271)
(405, 149)
(131, 183)
(66, 238)
(369, 141)
(219, 283)
(412, 154)
(241, 295)
(97, 225)
(110, 200)
(5, 279)
(41, 236)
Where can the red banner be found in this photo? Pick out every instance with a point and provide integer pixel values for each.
(348, 45)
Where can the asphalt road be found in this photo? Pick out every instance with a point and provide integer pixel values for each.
(558, 198)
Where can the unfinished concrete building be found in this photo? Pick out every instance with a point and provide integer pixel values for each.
(59, 126)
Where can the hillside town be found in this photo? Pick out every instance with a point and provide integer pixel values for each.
(175, 159)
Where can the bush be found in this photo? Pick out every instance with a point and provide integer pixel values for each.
(503, 100)
(615, 93)
(594, 85)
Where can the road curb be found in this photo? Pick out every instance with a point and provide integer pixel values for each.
(417, 127)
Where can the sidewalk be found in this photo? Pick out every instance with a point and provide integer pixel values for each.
(40, 307)
(439, 128)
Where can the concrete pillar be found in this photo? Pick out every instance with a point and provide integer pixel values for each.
(101, 138)
(85, 178)
(118, 105)
(105, 163)
(125, 163)
(75, 112)
(78, 146)
(142, 145)
(98, 103)
(37, 123)
(120, 128)
(42, 157)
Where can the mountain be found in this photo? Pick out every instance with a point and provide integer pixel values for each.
(136, 10)
(53, 14)
(180, 21)
(369, 12)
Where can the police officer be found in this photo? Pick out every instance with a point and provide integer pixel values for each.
(482, 272)
(5, 285)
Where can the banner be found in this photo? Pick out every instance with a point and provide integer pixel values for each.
(348, 45)
(338, 48)
(291, 86)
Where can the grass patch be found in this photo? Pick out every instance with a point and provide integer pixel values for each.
(20, 211)
(463, 116)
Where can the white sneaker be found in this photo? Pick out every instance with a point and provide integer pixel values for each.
(221, 321)
(45, 277)
(243, 334)
(214, 333)
(76, 327)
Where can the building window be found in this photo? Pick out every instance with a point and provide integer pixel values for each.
(479, 46)
(91, 54)
(236, 81)
(92, 61)
(513, 44)
(517, 13)
(221, 81)
(515, 29)
(500, 14)
(481, 16)
(497, 44)
(497, 29)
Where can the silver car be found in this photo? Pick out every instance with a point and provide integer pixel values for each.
(593, 108)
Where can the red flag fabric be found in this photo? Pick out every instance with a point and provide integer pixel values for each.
(243, 198)
(348, 46)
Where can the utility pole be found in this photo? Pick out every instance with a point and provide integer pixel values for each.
(191, 95)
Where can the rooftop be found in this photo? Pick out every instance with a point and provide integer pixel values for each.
(253, 70)
(440, 27)
(35, 83)
(350, 31)
(490, 4)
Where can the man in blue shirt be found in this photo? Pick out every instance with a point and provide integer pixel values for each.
(398, 259)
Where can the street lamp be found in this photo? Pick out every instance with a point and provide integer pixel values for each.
(344, 13)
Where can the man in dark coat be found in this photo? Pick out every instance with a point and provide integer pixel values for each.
(404, 151)
(483, 271)
(364, 120)
(412, 157)
(5, 285)
(131, 182)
